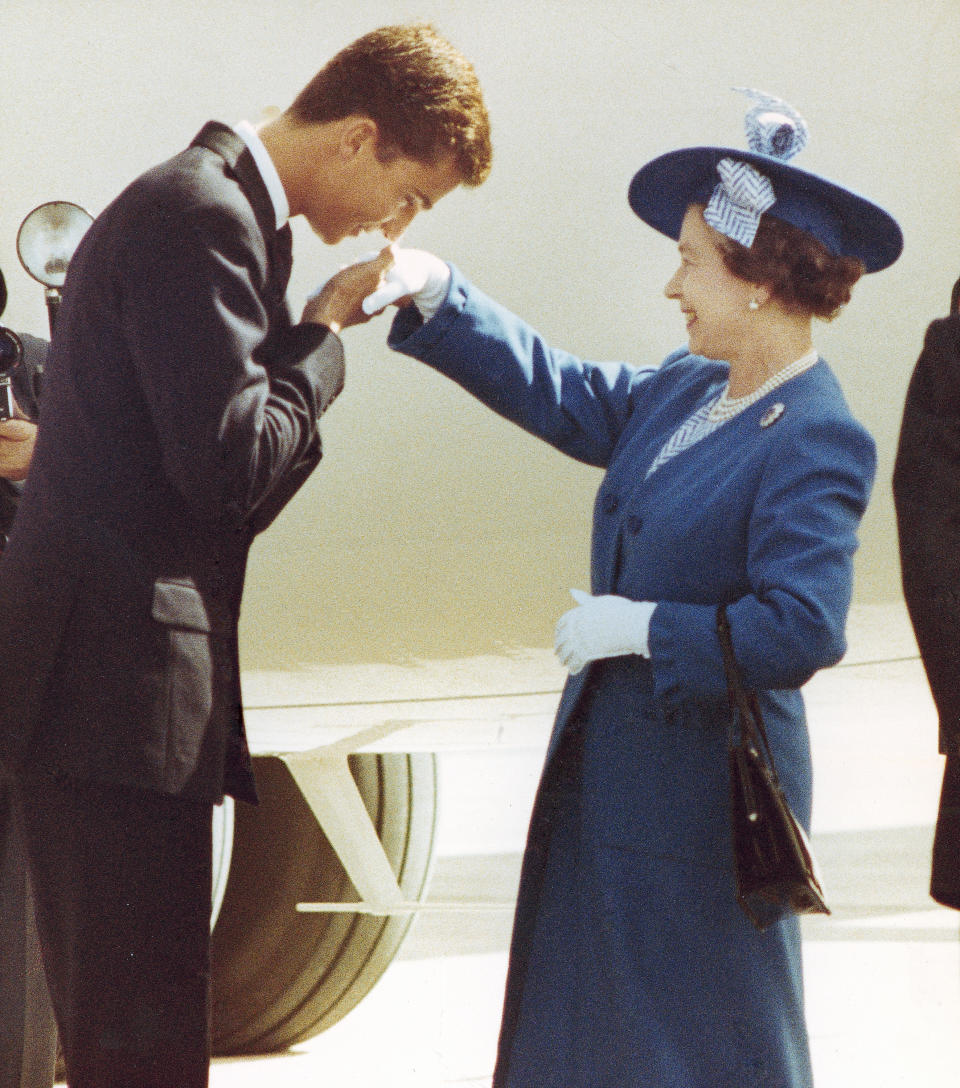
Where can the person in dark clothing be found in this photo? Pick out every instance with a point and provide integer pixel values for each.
(926, 492)
(181, 412)
(18, 435)
(28, 1031)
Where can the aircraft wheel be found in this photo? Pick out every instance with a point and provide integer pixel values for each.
(279, 976)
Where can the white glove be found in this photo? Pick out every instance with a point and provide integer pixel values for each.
(599, 627)
(416, 273)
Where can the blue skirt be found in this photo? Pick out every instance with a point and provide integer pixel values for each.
(632, 965)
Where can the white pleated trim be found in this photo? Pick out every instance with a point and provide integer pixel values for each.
(712, 416)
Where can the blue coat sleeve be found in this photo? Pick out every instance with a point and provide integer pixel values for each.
(579, 407)
(801, 540)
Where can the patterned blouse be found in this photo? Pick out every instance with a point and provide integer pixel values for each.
(715, 413)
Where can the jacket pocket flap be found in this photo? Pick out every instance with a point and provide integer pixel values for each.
(180, 605)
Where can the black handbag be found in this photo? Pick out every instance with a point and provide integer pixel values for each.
(774, 867)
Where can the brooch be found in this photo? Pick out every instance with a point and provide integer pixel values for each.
(773, 415)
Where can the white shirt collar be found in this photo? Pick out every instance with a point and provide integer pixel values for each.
(268, 171)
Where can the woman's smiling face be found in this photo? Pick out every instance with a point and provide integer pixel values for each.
(714, 302)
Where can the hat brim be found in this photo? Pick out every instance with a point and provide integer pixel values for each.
(848, 224)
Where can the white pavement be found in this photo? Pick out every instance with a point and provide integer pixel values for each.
(882, 973)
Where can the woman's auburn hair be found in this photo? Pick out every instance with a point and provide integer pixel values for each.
(801, 273)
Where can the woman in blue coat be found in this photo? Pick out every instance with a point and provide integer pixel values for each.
(735, 473)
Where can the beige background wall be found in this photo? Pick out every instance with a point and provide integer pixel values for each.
(432, 528)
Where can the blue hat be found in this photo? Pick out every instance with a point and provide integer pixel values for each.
(738, 187)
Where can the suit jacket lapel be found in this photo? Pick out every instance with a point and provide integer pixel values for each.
(233, 150)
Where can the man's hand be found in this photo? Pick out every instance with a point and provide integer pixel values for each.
(17, 438)
(339, 302)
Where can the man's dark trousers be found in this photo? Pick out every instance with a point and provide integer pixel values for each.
(28, 1032)
(133, 1010)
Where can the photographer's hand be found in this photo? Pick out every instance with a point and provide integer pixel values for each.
(17, 438)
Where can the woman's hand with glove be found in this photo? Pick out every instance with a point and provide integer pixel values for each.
(338, 302)
(392, 275)
(415, 275)
(599, 627)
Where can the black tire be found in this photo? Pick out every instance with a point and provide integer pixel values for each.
(279, 976)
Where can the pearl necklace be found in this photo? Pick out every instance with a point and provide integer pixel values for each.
(726, 407)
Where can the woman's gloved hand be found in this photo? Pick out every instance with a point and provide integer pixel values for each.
(414, 274)
(600, 627)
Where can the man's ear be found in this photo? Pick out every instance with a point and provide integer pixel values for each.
(358, 133)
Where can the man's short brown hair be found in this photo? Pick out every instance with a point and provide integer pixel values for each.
(421, 92)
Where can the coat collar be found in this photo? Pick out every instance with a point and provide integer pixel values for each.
(231, 147)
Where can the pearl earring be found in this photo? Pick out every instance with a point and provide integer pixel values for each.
(753, 304)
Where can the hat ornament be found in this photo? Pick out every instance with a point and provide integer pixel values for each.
(774, 128)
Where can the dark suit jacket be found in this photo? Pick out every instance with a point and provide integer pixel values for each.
(926, 489)
(179, 416)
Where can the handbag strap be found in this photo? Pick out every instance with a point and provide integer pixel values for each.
(740, 697)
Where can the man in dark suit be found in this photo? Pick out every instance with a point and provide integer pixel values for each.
(926, 490)
(28, 1033)
(180, 415)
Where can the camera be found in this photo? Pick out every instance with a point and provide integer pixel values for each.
(11, 352)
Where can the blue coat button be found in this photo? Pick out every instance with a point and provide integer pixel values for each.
(634, 523)
(610, 504)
